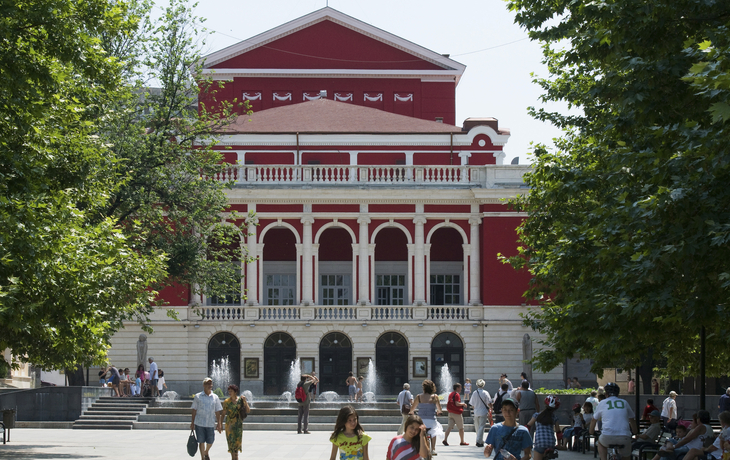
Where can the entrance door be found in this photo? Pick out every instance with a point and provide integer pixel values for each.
(279, 352)
(448, 349)
(335, 362)
(224, 361)
(391, 363)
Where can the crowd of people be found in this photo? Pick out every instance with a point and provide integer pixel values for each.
(144, 382)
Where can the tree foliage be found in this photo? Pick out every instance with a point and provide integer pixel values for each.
(629, 216)
(102, 189)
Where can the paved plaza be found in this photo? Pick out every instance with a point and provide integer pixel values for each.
(49, 444)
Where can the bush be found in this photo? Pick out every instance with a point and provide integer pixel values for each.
(572, 391)
(219, 392)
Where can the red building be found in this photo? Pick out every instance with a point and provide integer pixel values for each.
(378, 220)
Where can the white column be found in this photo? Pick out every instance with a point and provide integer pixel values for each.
(419, 264)
(427, 277)
(364, 269)
(307, 279)
(253, 265)
(474, 274)
(411, 288)
(409, 162)
(353, 164)
(371, 255)
(299, 273)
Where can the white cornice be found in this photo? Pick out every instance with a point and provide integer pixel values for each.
(420, 139)
(424, 75)
(343, 20)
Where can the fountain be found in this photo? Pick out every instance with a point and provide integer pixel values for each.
(249, 397)
(368, 397)
(295, 374)
(221, 374)
(169, 396)
(370, 385)
(329, 396)
(286, 396)
(445, 382)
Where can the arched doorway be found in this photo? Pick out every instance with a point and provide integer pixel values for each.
(447, 348)
(335, 361)
(279, 351)
(224, 360)
(391, 362)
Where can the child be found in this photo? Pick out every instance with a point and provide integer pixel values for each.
(467, 389)
(413, 445)
(358, 396)
(137, 387)
(546, 425)
(578, 424)
(349, 437)
(669, 445)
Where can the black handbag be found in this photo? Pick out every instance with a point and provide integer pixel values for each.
(192, 444)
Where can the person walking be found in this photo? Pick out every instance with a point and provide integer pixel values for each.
(546, 425)
(351, 383)
(207, 417)
(404, 401)
(480, 402)
(669, 412)
(508, 438)
(529, 405)
(305, 382)
(348, 436)
(455, 408)
(413, 445)
(234, 408)
(429, 406)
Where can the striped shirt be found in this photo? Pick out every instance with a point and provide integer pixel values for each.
(400, 449)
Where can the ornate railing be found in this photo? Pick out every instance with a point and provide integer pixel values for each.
(278, 313)
(488, 176)
(392, 313)
(324, 312)
(222, 313)
(451, 313)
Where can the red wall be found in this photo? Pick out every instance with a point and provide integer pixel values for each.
(280, 244)
(501, 284)
(391, 244)
(392, 208)
(270, 158)
(446, 245)
(327, 45)
(176, 295)
(335, 244)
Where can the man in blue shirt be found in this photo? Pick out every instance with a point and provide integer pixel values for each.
(507, 440)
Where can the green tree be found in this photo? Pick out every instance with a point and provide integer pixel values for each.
(104, 190)
(629, 216)
(68, 276)
(165, 149)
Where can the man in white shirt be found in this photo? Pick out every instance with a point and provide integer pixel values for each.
(480, 402)
(207, 416)
(153, 376)
(405, 398)
(618, 422)
(669, 411)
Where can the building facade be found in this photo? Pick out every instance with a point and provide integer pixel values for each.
(378, 223)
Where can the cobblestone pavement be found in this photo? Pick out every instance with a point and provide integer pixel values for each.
(51, 444)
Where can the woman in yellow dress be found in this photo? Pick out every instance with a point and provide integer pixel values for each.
(233, 407)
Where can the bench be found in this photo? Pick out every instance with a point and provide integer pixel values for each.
(643, 452)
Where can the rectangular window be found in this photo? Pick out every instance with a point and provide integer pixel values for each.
(280, 289)
(445, 289)
(335, 289)
(390, 289)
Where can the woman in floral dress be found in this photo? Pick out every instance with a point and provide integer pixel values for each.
(233, 407)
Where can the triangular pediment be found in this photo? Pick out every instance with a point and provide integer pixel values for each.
(328, 39)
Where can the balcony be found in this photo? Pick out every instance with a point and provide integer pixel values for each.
(489, 176)
(337, 313)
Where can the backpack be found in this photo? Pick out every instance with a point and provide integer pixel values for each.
(497, 405)
(299, 394)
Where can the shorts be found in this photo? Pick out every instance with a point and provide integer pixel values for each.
(607, 440)
(456, 419)
(115, 380)
(154, 382)
(353, 390)
(541, 450)
(205, 434)
(102, 381)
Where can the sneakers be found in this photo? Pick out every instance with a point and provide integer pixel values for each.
(307, 432)
(480, 444)
(444, 442)
(434, 453)
(463, 443)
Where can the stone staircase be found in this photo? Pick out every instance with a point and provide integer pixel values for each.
(282, 416)
(109, 413)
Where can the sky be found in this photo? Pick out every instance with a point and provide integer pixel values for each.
(481, 34)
